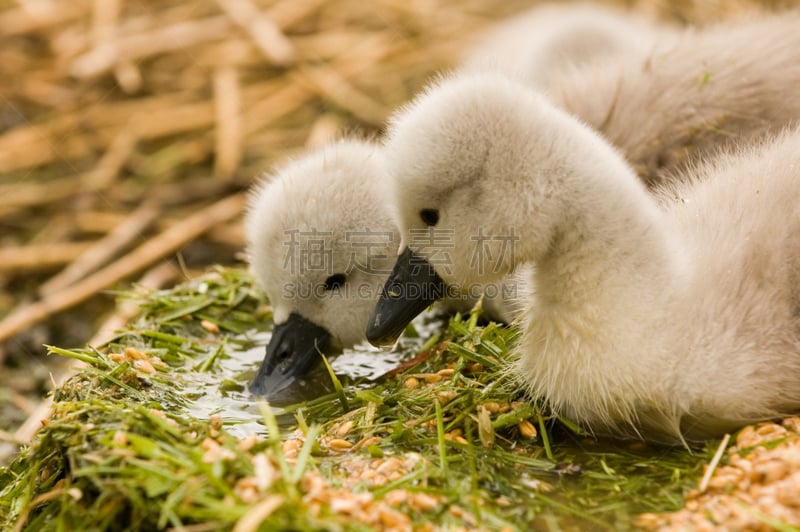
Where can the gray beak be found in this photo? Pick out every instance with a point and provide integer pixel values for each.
(412, 286)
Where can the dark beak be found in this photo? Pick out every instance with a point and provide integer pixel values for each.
(292, 353)
(412, 286)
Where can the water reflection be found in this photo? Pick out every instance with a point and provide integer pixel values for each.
(224, 390)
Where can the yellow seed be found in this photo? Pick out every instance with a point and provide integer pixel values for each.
(339, 445)
(210, 326)
(156, 361)
(144, 366)
(209, 444)
(788, 495)
(215, 420)
(291, 448)
(445, 396)
(650, 521)
(411, 383)
(768, 429)
(343, 505)
(246, 490)
(118, 357)
(457, 511)
(492, 407)
(389, 466)
(526, 429)
(393, 519)
(430, 378)
(475, 367)
(452, 435)
(344, 428)
(396, 497)
(134, 354)
(422, 502)
(769, 472)
(248, 443)
(446, 372)
(792, 423)
(366, 442)
(746, 437)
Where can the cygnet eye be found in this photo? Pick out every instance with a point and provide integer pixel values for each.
(335, 281)
(429, 216)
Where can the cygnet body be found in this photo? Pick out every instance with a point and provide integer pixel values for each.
(672, 318)
(540, 45)
(697, 90)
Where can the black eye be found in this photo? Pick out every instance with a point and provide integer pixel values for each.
(429, 216)
(335, 281)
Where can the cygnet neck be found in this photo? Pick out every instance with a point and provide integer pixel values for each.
(610, 239)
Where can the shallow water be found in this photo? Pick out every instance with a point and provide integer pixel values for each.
(224, 390)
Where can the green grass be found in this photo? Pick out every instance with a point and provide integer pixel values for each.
(126, 450)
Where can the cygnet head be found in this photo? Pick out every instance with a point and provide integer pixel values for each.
(470, 160)
(321, 246)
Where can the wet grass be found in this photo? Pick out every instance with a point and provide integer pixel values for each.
(125, 449)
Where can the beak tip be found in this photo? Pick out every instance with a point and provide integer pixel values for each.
(382, 333)
(268, 385)
(293, 352)
(381, 339)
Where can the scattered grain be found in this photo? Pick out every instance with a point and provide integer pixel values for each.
(761, 478)
(342, 430)
(339, 445)
(210, 326)
(144, 366)
(411, 383)
(526, 429)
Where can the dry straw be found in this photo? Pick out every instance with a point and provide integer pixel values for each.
(178, 103)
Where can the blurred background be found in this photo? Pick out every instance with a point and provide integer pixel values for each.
(131, 130)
